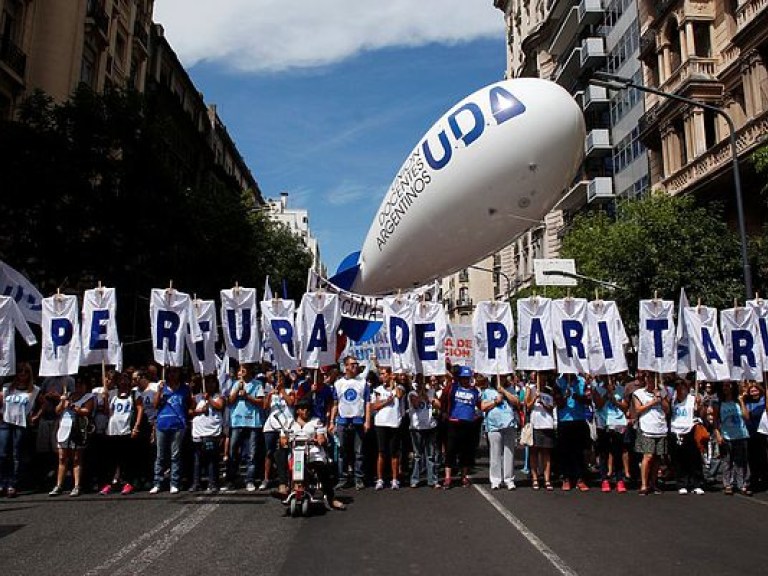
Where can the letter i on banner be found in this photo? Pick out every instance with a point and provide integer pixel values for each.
(60, 354)
(535, 349)
(493, 329)
(760, 306)
(607, 338)
(100, 340)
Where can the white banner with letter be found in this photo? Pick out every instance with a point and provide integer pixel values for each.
(317, 322)
(278, 318)
(170, 312)
(741, 341)
(240, 325)
(535, 348)
(60, 353)
(203, 352)
(493, 329)
(708, 354)
(607, 338)
(11, 320)
(100, 341)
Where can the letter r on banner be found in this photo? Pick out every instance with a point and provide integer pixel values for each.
(168, 323)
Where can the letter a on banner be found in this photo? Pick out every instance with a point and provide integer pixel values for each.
(278, 321)
(607, 338)
(398, 323)
(709, 354)
(239, 324)
(317, 322)
(170, 313)
(657, 350)
(11, 320)
(493, 329)
(569, 329)
(429, 331)
(203, 352)
(60, 354)
(741, 340)
(100, 341)
(535, 349)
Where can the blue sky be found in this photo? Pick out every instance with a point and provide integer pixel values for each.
(330, 122)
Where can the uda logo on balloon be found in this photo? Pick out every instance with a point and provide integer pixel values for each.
(496, 161)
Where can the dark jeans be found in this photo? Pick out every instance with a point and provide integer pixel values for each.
(757, 446)
(12, 456)
(572, 440)
(350, 436)
(207, 456)
(686, 459)
(460, 443)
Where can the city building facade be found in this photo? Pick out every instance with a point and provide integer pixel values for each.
(715, 52)
(297, 221)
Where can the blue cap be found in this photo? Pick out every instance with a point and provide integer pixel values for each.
(465, 372)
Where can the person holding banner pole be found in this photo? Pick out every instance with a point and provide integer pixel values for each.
(686, 456)
(388, 397)
(651, 405)
(74, 410)
(500, 406)
(422, 404)
(247, 400)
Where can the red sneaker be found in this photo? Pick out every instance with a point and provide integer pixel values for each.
(605, 486)
(106, 490)
(127, 489)
(621, 487)
(582, 486)
(566, 485)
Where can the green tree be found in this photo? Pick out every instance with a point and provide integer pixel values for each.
(91, 192)
(657, 245)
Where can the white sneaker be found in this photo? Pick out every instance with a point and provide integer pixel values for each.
(683, 491)
(395, 485)
(174, 489)
(379, 484)
(511, 485)
(264, 485)
(154, 490)
(251, 487)
(698, 491)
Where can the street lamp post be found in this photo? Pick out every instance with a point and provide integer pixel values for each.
(614, 82)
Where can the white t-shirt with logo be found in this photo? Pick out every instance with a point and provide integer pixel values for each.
(389, 415)
(422, 417)
(18, 404)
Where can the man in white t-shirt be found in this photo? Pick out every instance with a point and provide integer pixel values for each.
(350, 419)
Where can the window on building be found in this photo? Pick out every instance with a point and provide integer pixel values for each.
(710, 128)
(464, 275)
(702, 39)
(675, 57)
(10, 21)
(679, 129)
(463, 296)
(120, 47)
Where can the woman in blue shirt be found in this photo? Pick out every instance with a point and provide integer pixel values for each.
(172, 402)
(500, 407)
(463, 401)
(732, 436)
(757, 447)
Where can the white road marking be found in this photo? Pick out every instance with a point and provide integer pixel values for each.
(535, 541)
(175, 528)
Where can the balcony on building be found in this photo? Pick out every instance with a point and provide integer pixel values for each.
(464, 304)
(588, 55)
(593, 98)
(96, 19)
(600, 189)
(13, 59)
(598, 143)
(141, 34)
(751, 16)
(587, 13)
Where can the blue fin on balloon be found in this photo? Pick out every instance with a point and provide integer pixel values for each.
(346, 273)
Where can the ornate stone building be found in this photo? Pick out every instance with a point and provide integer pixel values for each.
(714, 51)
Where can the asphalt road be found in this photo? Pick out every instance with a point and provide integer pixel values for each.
(414, 531)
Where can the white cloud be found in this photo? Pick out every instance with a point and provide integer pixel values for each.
(276, 35)
(349, 193)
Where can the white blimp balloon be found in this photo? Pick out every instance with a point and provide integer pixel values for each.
(496, 161)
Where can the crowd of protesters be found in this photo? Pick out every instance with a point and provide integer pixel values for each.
(155, 429)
